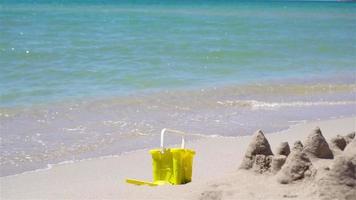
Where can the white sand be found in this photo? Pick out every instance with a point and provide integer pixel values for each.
(215, 173)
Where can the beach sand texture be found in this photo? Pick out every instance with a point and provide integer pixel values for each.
(215, 173)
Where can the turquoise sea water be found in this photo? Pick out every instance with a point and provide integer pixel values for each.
(83, 79)
(55, 51)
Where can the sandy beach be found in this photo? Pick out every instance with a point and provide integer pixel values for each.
(264, 90)
(215, 173)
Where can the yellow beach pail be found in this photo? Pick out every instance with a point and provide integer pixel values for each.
(170, 165)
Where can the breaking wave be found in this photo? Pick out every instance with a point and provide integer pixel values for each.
(261, 105)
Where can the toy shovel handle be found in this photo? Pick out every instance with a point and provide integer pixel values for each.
(172, 131)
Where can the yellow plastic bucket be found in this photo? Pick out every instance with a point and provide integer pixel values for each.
(170, 165)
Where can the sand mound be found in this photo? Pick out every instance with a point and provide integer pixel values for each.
(297, 145)
(316, 146)
(283, 149)
(340, 181)
(297, 166)
(262, 163)
(349, 137)
(351, 148)
(337, 144)
(258, 146)
(277, 163)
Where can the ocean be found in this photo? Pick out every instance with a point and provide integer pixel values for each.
(85, 79)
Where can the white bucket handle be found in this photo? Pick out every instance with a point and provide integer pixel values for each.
(172, 131)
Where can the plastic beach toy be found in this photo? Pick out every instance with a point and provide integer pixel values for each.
(170, 165)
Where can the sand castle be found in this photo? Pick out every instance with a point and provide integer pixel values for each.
(283, 149)
(340, 180)
(330, 167)
(259, 147)
(315, 146)
(337, 144)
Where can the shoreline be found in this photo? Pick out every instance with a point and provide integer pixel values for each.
(105, 176)
(202, 137)
(96, 128)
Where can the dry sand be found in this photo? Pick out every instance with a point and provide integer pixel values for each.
(215, 173)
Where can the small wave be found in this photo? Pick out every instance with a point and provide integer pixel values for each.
(78, 128)
(261, 105)
(115, 123)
